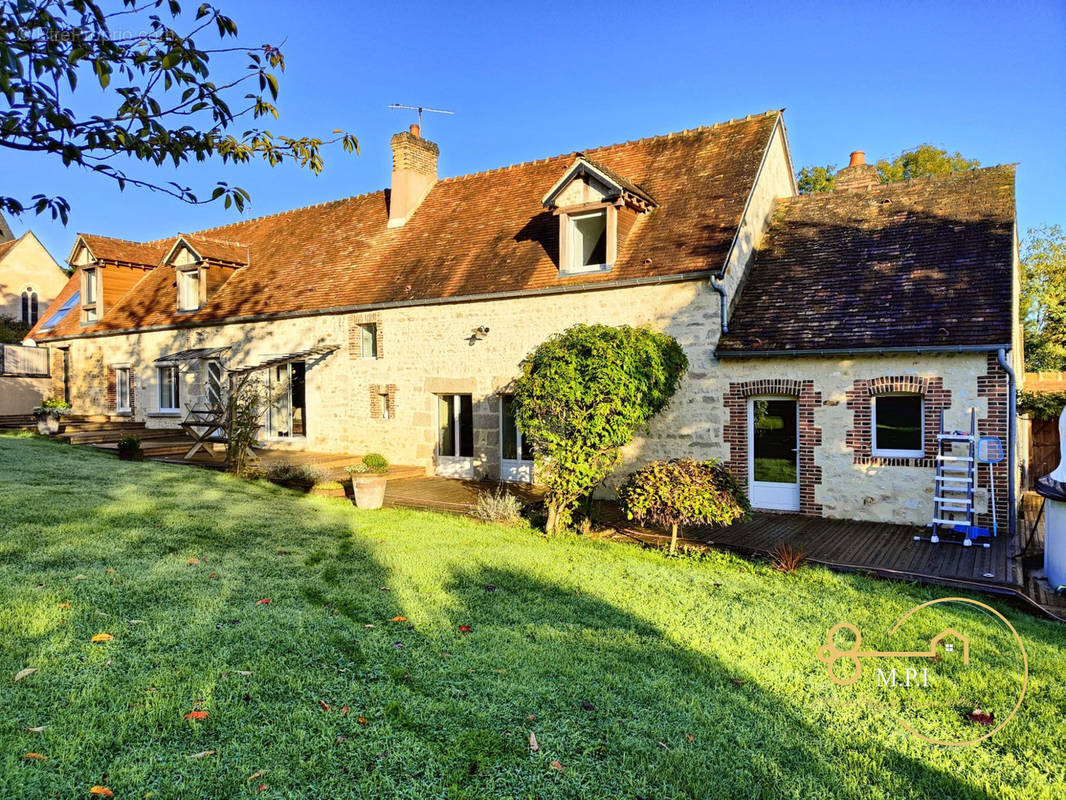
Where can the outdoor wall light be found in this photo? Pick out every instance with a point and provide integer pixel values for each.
(481, 332)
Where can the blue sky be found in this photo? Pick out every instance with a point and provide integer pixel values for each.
(531, 80)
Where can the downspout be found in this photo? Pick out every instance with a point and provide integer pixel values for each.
(718, 287)
(1012, 413)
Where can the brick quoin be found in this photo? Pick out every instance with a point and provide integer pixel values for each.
(994, 386)
(860, 401)
(810, 435)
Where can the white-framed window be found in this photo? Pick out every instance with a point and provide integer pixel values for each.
(90, 289)
(898, 425)
(368, 340)
(455, 423)
(122, 389)
(213, 383)
(587, 241)
(169, 388)
(188, 289)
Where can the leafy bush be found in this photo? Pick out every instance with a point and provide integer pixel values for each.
(498, 506)
(1042, 405)
(371, 464)
(288, 472)
(683, 492)
(129, 443)
(12, 331)
(582, 396)
(786, 558)
(51, 407)
(245, 404)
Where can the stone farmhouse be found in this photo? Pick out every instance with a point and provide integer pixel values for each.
(826, 333)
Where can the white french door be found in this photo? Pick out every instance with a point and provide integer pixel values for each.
(455, 440)
(773, 453)
(516, 457)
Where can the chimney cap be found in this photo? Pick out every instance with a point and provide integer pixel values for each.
(858, 158)
(416, 130)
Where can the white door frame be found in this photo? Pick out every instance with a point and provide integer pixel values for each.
(514, 470)
(769, 495)
(453, 466)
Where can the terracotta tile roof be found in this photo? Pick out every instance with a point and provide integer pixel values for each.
(105, 248)
(920, 263)
(477, 234)
(218, 249)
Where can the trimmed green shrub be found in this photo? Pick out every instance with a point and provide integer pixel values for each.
(371, 464)
(287, 473)
(582, 396)
(683, 492)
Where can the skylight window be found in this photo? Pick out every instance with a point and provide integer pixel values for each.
(56, 318)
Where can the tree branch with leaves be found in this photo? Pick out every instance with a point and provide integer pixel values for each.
(161, 102)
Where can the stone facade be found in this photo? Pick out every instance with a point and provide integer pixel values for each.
(425, 351)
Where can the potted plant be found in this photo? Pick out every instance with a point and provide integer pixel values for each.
(129, 449)
(48, 414)
(368, 480)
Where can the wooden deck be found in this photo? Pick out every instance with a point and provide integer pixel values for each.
(448, 494)
(878, 547)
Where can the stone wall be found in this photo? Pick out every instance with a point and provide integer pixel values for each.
(425, 351)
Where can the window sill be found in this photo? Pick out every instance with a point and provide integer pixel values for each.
(123, 412)
(163, 413)
(592, 269)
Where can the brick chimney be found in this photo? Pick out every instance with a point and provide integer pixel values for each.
(857, 175)
(414, 171)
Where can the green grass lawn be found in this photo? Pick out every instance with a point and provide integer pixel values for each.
(641, 676)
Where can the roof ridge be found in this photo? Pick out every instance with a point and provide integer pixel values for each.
(214, 241)
(889, 185)
(288, 211)
(586, 150)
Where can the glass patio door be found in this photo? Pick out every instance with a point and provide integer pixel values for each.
(455, 441)
(773, 453)
(516, 457)
(288, 415)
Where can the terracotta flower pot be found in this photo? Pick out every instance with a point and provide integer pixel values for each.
(369, 490)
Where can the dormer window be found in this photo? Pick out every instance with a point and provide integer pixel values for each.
(593, 203)
(188, 290)
(588, 241)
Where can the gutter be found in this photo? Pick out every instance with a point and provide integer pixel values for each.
(719, 287)
(862, 351)
(356, 309)
(1012, 424)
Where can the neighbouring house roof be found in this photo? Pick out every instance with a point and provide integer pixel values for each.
(8, 245)
(921, 263)
(474, 235)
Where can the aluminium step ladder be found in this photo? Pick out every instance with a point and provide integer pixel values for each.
(955, 483)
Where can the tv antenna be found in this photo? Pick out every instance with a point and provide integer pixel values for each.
(420, 109)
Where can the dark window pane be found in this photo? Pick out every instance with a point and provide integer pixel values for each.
(299, 406)
(774, 441)
(899, 422)
(466, 426)
(509, 450)
(590, 239)
(445, 406)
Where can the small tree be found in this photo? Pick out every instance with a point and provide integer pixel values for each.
(583, 395)
(246, 403)
(683, 492)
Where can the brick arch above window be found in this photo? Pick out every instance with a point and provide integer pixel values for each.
(935, 399)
